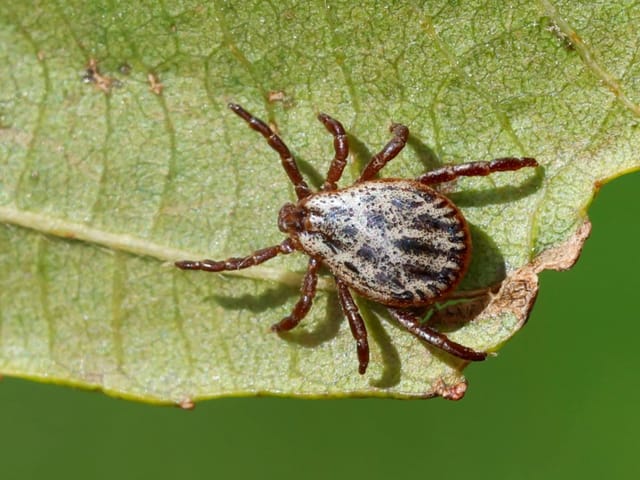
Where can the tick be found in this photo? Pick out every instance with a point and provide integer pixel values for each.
(397, 242)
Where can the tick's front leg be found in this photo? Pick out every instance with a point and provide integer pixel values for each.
(288, 162)
(237, 263)
(341, 147)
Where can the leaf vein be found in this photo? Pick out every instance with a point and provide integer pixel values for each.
(590, 60)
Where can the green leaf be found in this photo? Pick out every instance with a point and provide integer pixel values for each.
(118, 156)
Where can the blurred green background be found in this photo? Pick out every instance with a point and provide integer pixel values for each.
(561, 400)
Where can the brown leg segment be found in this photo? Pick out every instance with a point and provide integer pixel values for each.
(308, 292)
(237, 263)
(475, 169)
(341, 147)
(358, 329)
(275, 142)
(409, 321)
(388, 153)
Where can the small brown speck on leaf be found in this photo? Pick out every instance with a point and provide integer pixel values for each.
(276, 96)
(450, 392)
(187, 404)
(155, 85)
(93, 75)
(280, 96)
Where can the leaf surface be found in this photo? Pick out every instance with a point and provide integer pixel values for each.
(118, 156)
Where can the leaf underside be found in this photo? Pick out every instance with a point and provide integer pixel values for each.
(118, 156)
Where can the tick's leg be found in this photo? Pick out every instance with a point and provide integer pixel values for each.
(409, 321)
(275, 142)
(237, 263)
(308, 292)
(341, 147)
(475, 169)
(358, 329)
(388, 153)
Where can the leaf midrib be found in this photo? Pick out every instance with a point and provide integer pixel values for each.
(135, 245)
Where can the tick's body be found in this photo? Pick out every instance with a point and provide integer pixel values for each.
(396, 242)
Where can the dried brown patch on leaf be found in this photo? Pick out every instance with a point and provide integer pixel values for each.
(92, 75)
(155, 85)
(280, 96)
(565, 255)
(450, 392)
(187, 404)
(276, 96)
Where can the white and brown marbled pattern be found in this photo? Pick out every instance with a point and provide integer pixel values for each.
(397, 242)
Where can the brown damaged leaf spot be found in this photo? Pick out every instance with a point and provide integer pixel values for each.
(564, 256)
(187, 404)
(276, 96)
(517, 295)
(450, 392)
(155, 85)
(92, 75)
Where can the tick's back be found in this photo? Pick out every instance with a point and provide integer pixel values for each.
(397, 242)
